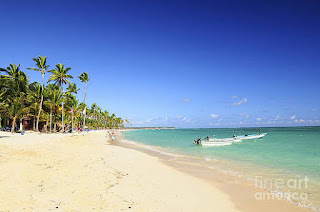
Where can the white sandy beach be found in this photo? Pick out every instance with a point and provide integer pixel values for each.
(84, 173)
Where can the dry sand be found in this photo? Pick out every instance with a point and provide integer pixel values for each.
(83, 173)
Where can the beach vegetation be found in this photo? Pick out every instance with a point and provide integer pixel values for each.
(39, 106)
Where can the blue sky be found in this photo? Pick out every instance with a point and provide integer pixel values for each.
(178, 63)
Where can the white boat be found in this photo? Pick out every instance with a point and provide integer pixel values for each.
(214, 143)
(227, 141)
(222, 139)
(254, 136)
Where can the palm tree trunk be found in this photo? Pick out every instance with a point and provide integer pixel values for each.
(84, 120)
(46, 127)
(55, 122)
(40, 107)
(13, 125)
(84, 99)
(50, 118)
(85, 93)
(72, 120)
(34, 122)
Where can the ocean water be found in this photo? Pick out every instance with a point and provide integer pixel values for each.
(285, 162)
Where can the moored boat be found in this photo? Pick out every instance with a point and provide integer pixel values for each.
(227, 141)
(254, 136)
(215, 143)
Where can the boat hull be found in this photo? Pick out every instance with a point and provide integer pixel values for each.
(213, 143)
(251, 136)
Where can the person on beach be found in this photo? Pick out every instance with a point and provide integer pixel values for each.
(108, 135)
(112, 138)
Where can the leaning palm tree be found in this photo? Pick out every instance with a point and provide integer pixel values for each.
(84, 77)
(41, 66)
(60, 75)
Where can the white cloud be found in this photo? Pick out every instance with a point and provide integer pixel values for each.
(278, 117)
(149, 120)
(234, 97)
(292, 117)
(300, 120)
(186, 100)
(245, 115)
(157, 120)
(242, 101)
(315, 109)
(214, 115)
(137, 122)
(259, 119)
(183, 118)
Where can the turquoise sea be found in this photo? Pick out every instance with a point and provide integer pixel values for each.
(287, 154)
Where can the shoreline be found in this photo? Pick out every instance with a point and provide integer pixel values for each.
(241, 191)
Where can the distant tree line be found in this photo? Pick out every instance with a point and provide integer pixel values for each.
(47, 105)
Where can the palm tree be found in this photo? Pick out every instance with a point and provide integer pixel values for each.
(112, 120)
(84, 77)
(16, 107)
(3, 90)
(60, 75)
(41, 66)
(15, 94)
(72, 89)
(54, 99)
(57, 99)
(34, 98)
(74, 104)
(13, 72)
(106, 118)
